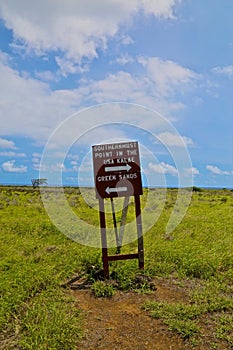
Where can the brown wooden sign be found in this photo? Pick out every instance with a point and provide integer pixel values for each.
(117, 170)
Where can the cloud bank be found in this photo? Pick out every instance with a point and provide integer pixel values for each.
(75, 30)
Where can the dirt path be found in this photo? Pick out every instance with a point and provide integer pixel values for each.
(120, 323)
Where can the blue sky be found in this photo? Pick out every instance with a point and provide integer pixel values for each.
(174, 57)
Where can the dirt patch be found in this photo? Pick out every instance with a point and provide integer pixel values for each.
(120, 322)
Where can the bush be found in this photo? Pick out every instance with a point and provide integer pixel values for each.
(197, 189)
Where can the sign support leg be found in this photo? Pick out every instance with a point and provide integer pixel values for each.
(115, 223)
(123, 221)
(103, 238)
(139, 232)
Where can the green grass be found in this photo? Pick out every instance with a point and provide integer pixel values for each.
(185, 318)
(200, 249)
(102, 289)
(50, 322)
(35, 259)
(202, 244)
(224, 329)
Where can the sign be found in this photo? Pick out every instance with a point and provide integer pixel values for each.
(117, 173)
(117, 170)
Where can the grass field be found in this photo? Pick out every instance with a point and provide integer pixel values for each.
(35, 259)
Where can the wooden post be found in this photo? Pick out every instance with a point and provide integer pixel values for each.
(139, 232)
(115, 223)
(123, 222)
(103, 237)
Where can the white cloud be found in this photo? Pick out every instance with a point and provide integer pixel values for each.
(73, 157)
(192, 171)
(75, 28)
(159, 81)
(10, 167)
(160, 8)
(74, 165)
(225, 70)
(36, 163)
(30, 108)
(121, 86)
(12, 154)
(162, 168)
(67, 66)
(167, 75)
(37, 155)
(73, 162)
(215, 170)
(126, 40)
(51, 168)
(169, 139)
(46, 76)
(58, 167)
(4, 143)
(124, 59)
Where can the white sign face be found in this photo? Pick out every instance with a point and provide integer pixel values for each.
(117, 169)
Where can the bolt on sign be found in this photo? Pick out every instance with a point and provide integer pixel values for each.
(117, 171)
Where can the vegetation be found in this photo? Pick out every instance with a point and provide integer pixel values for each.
(35, 259)
(38, 182)
(184, 318)
(102, 289)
